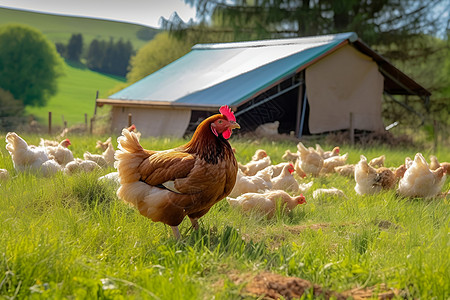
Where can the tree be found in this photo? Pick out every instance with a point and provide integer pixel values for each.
(154, 55)
(29, 64)
(75, 47)
(11, 110)
(376, 22)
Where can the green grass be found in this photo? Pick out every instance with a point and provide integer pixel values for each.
(70, 237)
(60, 28)
(76, 96)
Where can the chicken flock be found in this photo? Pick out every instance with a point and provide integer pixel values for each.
(168, 185)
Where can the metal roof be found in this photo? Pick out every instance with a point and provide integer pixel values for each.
(211, 75)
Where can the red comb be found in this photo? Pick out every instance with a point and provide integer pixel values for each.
(226, 111)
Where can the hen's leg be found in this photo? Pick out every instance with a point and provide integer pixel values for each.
(176, 232)
(194, 222)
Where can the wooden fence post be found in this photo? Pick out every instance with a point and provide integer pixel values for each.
(91, 129)
(352, 130)
(49, 122)
(129, 120)
(65, 124)
(86, 121)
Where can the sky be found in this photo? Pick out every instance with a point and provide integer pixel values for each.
(145, 12)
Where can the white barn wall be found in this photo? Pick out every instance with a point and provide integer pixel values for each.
(152, 121)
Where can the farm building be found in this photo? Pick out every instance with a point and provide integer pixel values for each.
(310, 85)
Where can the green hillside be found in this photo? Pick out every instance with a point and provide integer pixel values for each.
(76, 96)
(59, 28)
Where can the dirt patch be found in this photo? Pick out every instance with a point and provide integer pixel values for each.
(274, 286)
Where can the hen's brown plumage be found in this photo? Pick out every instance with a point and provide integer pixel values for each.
(165, 186)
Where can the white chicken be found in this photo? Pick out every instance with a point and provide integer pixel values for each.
(286, 181)
(104, 160)
(60, 153)
(327, 154)
(331, 193)
(420, 181)
(259, 154)
(276, 169)
(334, 161)
(79, 165)
(377, 162)
(103, 145)
(252, 184)
(112, 178)
(267, 129)
(365, 177)
(267, 202)
(310, 161)
(29, 158)
(252, 167)
(108, 155)
(345, 170)
(289, 156)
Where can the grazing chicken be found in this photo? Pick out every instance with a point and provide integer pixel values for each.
(267, 129)
(165, 186)
(103, 145)
(79, 165)
(366, 178)
(289, 156)
(310, 161)
(108, 155)
(385, 178)
(345, 170)
(330, 193)
(259, 154)
(276, 169)
(261, 181)
(253, 166)
(334, 161)
(435, 164)
(104, 160)
(48, 143)
(420, 181)
(377, 162)
(327, 154)
(286, 181)
(4, 174)
(267, 202)
(112, 178)
(61, 153)
(298, 169)
(29, 158)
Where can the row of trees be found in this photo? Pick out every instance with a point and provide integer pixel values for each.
(102, 56)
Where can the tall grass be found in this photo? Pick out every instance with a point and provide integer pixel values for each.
(70, 237)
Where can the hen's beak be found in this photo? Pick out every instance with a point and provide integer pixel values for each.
(234, 125)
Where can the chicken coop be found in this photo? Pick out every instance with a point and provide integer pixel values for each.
(310, 85)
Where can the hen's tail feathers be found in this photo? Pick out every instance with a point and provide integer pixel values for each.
(14, 142)
(129, 156)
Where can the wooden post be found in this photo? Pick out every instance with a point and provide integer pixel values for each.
(65, 124)
(352, 130)
(91, 129)
(95, 108)
(129, 120)
(86, 121)
(49, 122)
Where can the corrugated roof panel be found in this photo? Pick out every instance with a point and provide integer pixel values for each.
(206, 67)
(233, 91)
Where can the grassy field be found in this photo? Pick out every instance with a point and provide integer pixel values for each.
(60, 28)
(76, 96)
(70, 237)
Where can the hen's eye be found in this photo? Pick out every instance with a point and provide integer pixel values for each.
(220, 121)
